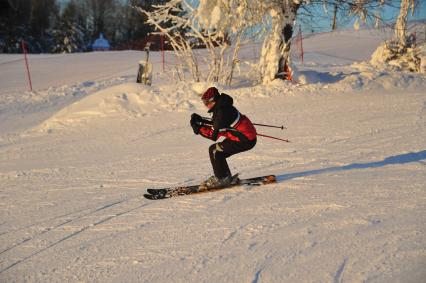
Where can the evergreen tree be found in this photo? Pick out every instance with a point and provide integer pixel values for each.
(14, 25)
(43, 16)
(136, 23)
(69, 35)
(101, 14)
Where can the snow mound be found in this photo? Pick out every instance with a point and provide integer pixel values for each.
(200, 87)
(367, 77)
(314, 77)
(123, 101)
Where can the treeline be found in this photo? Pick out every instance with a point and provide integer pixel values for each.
(48, 27)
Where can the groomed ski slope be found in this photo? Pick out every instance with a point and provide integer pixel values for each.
(78, 153)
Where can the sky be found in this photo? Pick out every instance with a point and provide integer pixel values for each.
(323, 20)
(323, 23)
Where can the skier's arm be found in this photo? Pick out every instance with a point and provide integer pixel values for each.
(208, 132)
(218, 126)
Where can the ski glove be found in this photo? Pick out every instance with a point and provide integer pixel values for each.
(196, 128)
(196, 123)
(196, 118)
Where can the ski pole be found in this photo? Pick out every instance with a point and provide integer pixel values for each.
(272, 137)
(270, 126)
(204, 124)
(256, 124)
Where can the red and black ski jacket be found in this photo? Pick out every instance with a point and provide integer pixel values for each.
(228, 122)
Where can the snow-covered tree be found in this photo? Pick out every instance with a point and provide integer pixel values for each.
(402, 52)
(228, 20)
(213, 20)
(401, 22)
(275, 53)
(209, 26)
(213, 23)
(166, 20)
(237, 17)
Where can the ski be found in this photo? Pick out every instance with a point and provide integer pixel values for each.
(155, 194)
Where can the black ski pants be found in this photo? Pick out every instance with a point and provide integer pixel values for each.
(222, 150)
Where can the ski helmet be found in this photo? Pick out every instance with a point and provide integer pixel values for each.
(210, 95)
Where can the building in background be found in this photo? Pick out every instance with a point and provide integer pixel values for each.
(100, 44)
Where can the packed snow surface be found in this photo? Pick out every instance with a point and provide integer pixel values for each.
(79, 151)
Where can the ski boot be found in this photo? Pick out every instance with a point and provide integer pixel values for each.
(215, 182)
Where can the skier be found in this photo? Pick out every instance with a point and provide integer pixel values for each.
(227, 121)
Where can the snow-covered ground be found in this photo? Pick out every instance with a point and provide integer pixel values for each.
(77, 154)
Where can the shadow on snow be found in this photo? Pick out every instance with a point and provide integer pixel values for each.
(397, 159)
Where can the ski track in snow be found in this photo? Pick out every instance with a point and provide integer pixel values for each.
(339, 274)
(103, 219)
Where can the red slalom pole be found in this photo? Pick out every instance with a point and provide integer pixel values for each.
(24, 49)
(273, 138)
(301, 43)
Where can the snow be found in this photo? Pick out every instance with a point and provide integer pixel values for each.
(423, 59)
(77, 154)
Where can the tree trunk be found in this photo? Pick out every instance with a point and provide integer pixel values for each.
(401, 23)
(276, 47)
(334, 25)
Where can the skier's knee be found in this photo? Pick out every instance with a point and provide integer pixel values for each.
(212, 149)
(215, 149)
